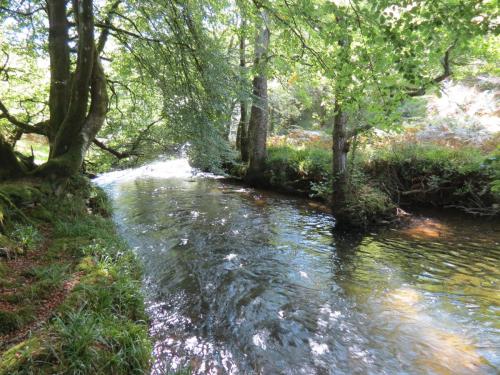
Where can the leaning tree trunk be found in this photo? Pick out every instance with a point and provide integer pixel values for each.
(340, 185)
(257, 128)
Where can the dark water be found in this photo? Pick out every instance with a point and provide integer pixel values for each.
(243, 282)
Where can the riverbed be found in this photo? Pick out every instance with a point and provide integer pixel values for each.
(241, 281)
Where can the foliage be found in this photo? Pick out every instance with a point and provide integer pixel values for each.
(288, 164)
(407, 173)
(492, 164)
(27, 236)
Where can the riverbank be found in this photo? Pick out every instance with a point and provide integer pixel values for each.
(70, 297)
(388, 176)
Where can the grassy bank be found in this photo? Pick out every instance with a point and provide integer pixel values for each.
(386, 176)
(466, 178)
(70, 299)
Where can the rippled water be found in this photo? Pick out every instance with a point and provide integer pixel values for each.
(245, 282)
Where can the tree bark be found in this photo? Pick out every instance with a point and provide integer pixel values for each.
(257, 128)
(242, 133)
(78, 101)
(340, 149)
(79, 95)
(81, 122)
(59, 65)
(243, 113)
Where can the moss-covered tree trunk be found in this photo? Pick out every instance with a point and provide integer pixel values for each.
(242, 133)
(257, 128)
(78, 100)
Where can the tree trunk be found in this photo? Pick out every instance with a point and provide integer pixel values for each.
(243, 110)
(243, 131)
(339, 166)
(242, 134)
(59, 66)
(78, 101)
(257, 128)
(81, 122)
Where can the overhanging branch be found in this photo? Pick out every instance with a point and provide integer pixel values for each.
(112, 151)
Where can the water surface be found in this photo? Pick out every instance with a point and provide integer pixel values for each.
(240, 281)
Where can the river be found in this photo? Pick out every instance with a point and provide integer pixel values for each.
(240, 281)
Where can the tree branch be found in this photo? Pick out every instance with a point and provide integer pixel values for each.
(112, 151)
(39, 128)
(356, 131)
(446, 73)
(105, 32)
(126, 32)
(133, 150)
(16, 12)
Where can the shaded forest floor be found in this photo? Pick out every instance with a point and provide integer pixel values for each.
(70, 299)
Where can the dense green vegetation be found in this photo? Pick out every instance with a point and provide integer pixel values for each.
(64, 265)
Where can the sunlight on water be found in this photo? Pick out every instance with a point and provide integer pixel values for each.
(448, 352)
(175, 168)
(427, 228)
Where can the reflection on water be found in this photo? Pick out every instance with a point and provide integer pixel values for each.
(240, 281)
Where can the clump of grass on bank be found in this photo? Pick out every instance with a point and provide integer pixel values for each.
(87, 276)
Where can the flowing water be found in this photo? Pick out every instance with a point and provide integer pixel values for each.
(240, 281)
